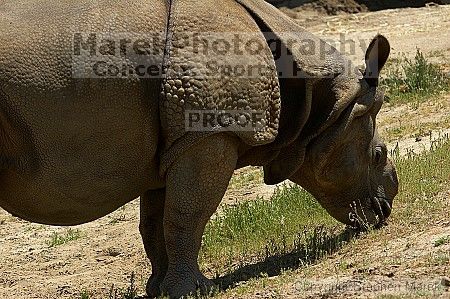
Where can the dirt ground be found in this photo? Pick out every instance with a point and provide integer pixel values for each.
(333, 7)
(109, 250)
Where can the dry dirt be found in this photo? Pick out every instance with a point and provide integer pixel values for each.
(333, 7)
(109, 250)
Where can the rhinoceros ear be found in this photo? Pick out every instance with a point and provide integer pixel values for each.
(376, 57)
(313, 56)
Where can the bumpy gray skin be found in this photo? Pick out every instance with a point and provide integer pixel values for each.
(73, 150)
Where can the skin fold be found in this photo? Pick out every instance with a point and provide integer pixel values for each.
(74, 149)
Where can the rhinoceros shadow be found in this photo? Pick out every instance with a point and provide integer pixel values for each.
(274, 265)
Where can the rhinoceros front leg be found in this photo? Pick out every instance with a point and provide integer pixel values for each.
(196, 184)
(152, 232)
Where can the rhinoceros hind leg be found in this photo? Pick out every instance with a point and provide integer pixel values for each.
(196, 183)
(152, 232)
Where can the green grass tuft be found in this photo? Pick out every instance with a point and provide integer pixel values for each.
(410, 80)
(58, 239)
(253, 176)
(85, 295)
(442, 241)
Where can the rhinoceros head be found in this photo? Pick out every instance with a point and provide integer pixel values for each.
(346, 165)
(327, 139)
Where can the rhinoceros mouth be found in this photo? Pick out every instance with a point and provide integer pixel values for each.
(378, 209)
(377, 204)
(382, 210)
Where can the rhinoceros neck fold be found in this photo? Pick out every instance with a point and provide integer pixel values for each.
(318, 60)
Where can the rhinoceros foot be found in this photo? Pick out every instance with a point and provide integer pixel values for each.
(180, 282)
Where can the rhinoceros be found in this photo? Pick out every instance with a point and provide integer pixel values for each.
(77, 145)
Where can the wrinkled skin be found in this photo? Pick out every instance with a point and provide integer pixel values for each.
(353, 179)
(73, 150)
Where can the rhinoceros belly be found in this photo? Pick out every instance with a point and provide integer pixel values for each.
(75, 147)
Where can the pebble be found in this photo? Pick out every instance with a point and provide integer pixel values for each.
(445, 281)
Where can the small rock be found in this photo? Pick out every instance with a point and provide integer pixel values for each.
(418, 139)
(104, 260)
(350, 265)
(63, 290)
(113, 251)
(445, 281)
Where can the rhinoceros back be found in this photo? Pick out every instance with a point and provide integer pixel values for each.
(216, 59)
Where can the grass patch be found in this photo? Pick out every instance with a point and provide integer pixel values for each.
(255, 230)
(293, 221)
(439, 258)
(58, 239)
(442, 241)
(422, 177)
(292, 225)
(115, 293)
(253, 176)
(85, 295)
(129, 293)
(411, 80)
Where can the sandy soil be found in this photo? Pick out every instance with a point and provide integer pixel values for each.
(407, 30)
(333, 7)
(109, 249)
